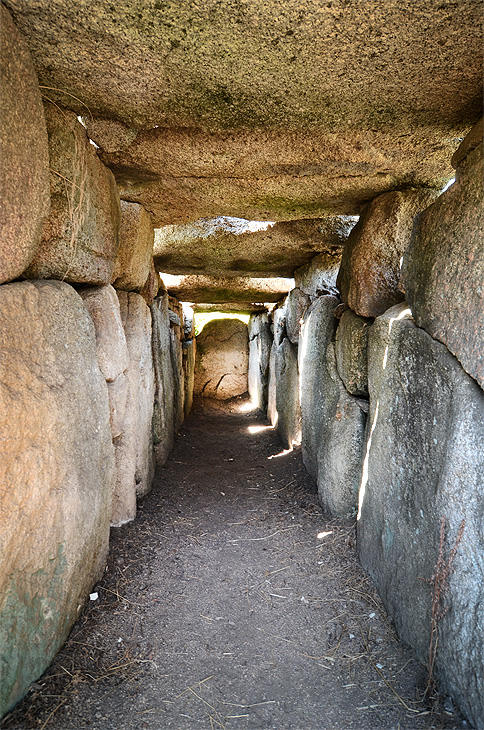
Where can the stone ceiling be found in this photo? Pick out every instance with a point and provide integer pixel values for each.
(269, 111)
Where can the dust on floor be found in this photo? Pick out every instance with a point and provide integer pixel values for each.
(232, 602)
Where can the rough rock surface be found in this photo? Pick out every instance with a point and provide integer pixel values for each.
(234, 246)
(134, 447)
(163, 410)
(222, 359)
(444, 268)
(317, 332)
(112, 351)
(135, 252)
(287, 394)
(151, 287)
(229, 289)
(297, 304)
(333, 421)
(351, 348)
(57, 475)
(341, 445)
(271, 388)
(413, 477)
(260, 343)
(370, 275)
(24, 154)
(80, 237)
(318, 277)
(229, 307)
(176, 350)
(279, 323)
(189, 359)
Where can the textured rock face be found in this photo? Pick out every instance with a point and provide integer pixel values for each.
(176, 351)
(112, 351)
(422, 463)
(271, 388)
(444, 268)
(163, 411)
(227, 289)
(151, 287)
(317, 332)
(103, 305)
(135, 252)
(57, 475)
(80, 237)
(287, 394)
(351, 348)
(297, 304)
(318, 277)
(24, 155)
(333, 421)
(222, 359)
(369, 277)
(235, 246)
(189, 345)
(134, 447)
(260, 343)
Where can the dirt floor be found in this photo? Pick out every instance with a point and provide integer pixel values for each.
(232, 602)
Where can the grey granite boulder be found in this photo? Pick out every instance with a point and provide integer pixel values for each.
(351, 348)
(424, 463)
(444, 266)
(57, 474)
(260, 343)
(222, 361)
(164, 409)
(297, 304)
(287, 394)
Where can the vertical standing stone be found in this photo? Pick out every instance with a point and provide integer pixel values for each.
(56, 474)
(164, 409)
(444, 266)
(260, 342)
(24, 154)
(135, 253)
(271, 388)
(297, 304)
(287, 394)
(423, 463)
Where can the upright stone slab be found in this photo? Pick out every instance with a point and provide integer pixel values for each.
(164, 410)
(260, 342)
(297, 304)
(317, 332)
(318, 277)
(24, 154)
(271, 388)
(222, 359)
(444, 266)
(135, 253)
(287, 394)
(333, 421)
(112, 351)
(80, 238)
(369, 278)
(176, 349)
(189, 346)
(423, 463)
(351, 347)
(57, 475)
(279, 323)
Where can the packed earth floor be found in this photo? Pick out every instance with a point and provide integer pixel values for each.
(232, 602)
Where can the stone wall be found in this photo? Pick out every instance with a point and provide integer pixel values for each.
(221, 369)
(91, 390)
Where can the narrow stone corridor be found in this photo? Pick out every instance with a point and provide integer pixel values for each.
(231, 602)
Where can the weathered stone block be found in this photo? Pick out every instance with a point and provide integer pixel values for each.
(318, 277)
(287, 394)
(297, 304)
(176, 350)
(151, 287)
(422, 463)
(189, 357)
(163, 411)
(134, 447)
(279, 323)
(351, 349)
(80, 237)
(341, 443)
(317, 332)
(222, 359)
(260, 343)
(118, 397)
(369, 277)
(333, 421)
(24, 154)
(271, 388)
(56, 471)
(135, 253)
(112, 351)
(444, 267)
